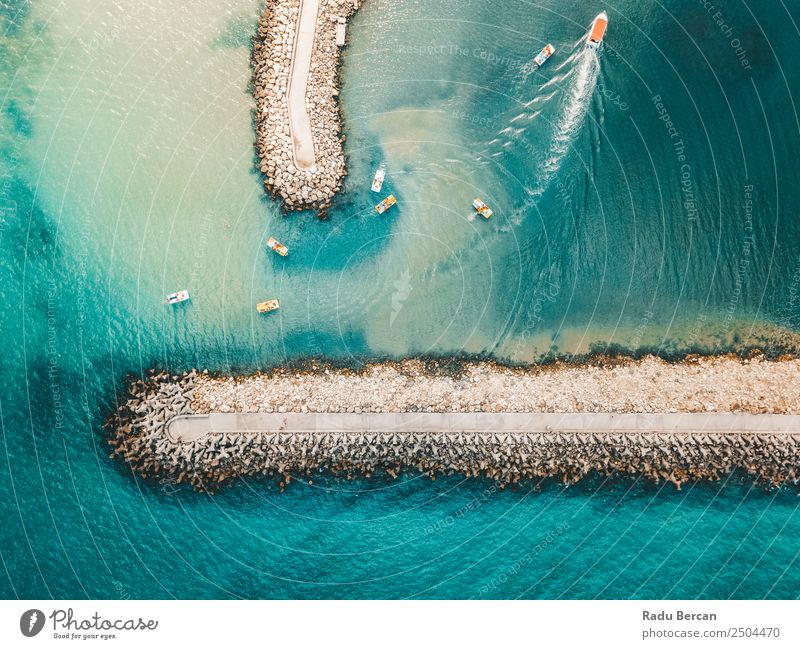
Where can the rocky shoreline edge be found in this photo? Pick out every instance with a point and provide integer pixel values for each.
(272, 56)
(138, 436)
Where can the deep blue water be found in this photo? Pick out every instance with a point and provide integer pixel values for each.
(127, 172)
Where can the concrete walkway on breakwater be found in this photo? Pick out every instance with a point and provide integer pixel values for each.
(299, 119)
(187, 428)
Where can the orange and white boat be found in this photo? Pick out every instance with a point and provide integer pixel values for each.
(269, 305)
(545, 54)
(597, 31)
(274, 244)
(482, 208)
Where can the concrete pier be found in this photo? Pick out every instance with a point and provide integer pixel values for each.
(189, 428)
(299, 120)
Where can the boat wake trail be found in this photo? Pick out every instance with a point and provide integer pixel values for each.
(578, 85)
(577, 79)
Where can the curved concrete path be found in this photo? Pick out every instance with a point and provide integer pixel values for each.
(186, 428)
(299, 119)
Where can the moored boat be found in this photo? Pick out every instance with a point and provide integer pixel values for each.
(546, 53)
(385, 204)
(267, 306)
(597, 31)
(377, 181)
(178, 296)
(482, 208)
(274, 244)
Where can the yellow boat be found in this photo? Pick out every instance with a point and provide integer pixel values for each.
(274, 244)
(269, 305)
(482, 208)
(385, 204)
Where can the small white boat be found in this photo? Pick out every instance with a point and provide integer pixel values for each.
(377, 181)
(545, 54)
(597, 31)
(274, 244)
(482, 208)
(175, 298)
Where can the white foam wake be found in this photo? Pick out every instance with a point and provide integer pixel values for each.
(576, 86)
(579, 84)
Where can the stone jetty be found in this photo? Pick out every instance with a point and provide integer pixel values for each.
(303, 174)
(138, 429)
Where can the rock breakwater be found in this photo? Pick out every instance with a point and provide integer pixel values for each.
(275, 48)
(138, 428)
(698, 384)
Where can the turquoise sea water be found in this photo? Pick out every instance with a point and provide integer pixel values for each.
(127, 171)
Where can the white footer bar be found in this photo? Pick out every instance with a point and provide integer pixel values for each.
(401, 624)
